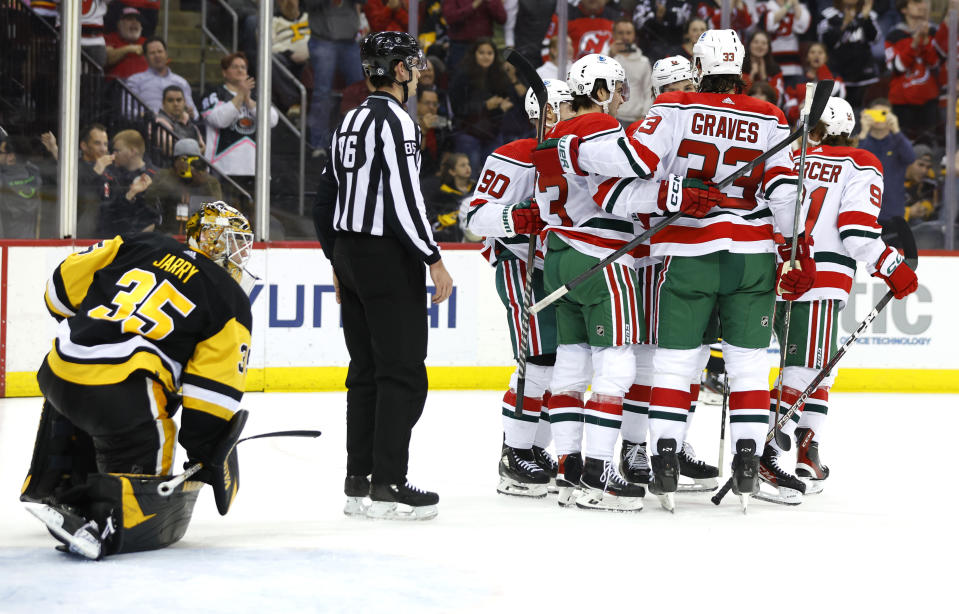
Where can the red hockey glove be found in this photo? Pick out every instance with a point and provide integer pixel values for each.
(693, 197)
(558, 156)
(794, 282)
(892, 269)
(522, 218)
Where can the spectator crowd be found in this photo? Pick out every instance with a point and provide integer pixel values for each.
(887, 58)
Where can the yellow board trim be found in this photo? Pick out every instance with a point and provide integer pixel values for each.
(323, 379)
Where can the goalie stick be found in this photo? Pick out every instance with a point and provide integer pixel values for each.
(529, 73)
(166, 488)
(820, 98)
(912, 259)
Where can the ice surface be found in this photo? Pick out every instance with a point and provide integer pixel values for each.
(881, 538)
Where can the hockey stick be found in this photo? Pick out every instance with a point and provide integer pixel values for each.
(782, 440)
(165, 489)
(542, 98)
(909, 246)
(820, 99)
(722, 424)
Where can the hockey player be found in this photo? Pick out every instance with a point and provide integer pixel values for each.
(503, 212)
(597, 322)
(724, 260)
(843, 194)
(672, 74)
(143, 319)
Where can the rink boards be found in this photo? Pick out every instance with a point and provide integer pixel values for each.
(298, 344)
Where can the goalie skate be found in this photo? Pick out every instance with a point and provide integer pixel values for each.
(604, 489)
(401, 502)
(548, 464)
(79, 535)
(808, 467)
(568, 474)
(703, 476)
(788, 488)
(520, 475)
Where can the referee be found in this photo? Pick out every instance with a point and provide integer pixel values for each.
(371, 219)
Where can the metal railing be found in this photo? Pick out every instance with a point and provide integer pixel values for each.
(298, 131)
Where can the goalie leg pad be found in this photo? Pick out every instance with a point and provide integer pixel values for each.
(63, 456)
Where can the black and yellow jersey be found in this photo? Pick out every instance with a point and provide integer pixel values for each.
(147, 303)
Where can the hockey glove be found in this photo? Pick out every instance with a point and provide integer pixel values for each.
(559, 156)
(522, 218)
(892, 269)
(693, 197)
(222, 469)
(794, 282)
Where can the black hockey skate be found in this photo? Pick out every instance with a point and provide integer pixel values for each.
(789, 488)
(402, 502)
(808, 467)
(520, 475)
(548, 464)
(79, 535)
(665, 479)
(568, 474)
(604, 489)
(703, 475)
(634, 463)
(357, 489)
(745, 467)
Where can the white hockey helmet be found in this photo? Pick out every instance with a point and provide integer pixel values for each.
(718, 52)
(670, 70)
(586, 71)
(557, 92)
(838, 117)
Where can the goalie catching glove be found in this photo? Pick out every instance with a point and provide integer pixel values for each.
(522, 219)
(899, 276)
(692, 196)
(222, 469)
(559, 156)
(794, 282)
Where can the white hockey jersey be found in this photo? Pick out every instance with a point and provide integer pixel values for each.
(507, 178)
(843, 195)
(708, 136)
(566, 202)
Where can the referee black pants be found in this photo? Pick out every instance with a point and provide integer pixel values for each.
(383, 299)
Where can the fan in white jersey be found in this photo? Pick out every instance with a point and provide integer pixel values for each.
(722, 259)
(843, 194)
(501, 211)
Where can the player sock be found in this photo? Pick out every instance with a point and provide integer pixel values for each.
(603, 416)
(668, 407)
(520, 432)
(693, 400)
(566, 421)
(814, 413)
(636, 414)
(544, 435)
(749, 416)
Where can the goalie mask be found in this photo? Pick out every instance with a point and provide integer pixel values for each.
(557, 93)
(670, 70)
(223, 234)
(586, 71)
(718, 52)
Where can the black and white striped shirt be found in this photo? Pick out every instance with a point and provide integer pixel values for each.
(375, 157)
